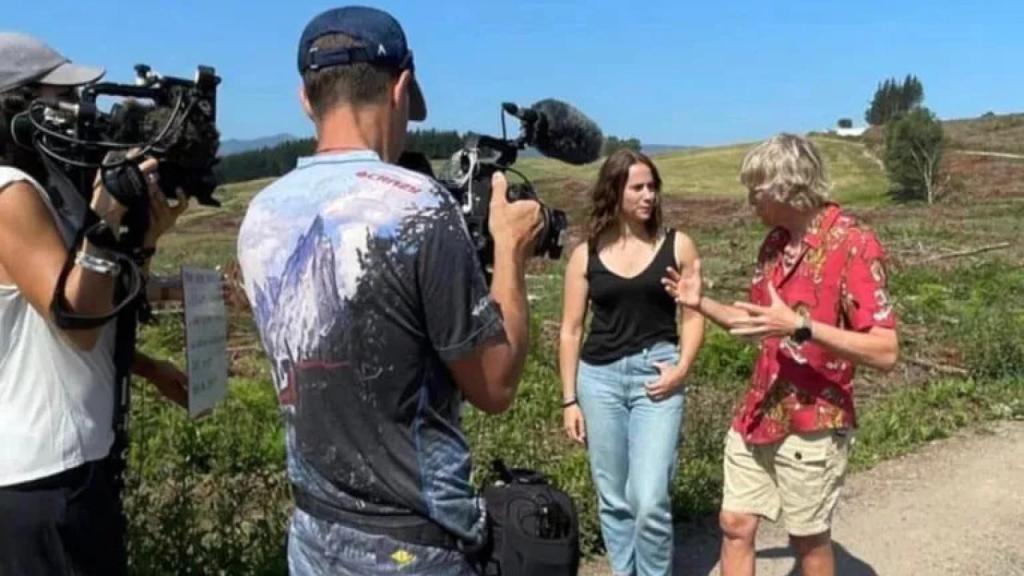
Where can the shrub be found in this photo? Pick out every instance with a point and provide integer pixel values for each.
(913, 152)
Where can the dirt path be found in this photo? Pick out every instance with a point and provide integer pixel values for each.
(955, 507)
(989, 154)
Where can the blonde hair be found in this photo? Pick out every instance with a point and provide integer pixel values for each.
(791, 167)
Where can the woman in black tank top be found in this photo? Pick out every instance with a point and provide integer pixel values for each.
(623, 393)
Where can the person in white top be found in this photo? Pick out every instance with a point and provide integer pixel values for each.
(59, 508)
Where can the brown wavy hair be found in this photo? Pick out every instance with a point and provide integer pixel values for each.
(606, 195)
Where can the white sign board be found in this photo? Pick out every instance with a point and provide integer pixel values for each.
(206, 339)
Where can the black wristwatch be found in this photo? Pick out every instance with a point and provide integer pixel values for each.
(803, 332)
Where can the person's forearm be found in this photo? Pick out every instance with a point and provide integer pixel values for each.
(89, 293)
(568, 361)
(508, 290)
(142, 365)
(692, 336)
(879, 351)
(722, 314)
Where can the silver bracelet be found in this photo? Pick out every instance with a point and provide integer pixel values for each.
(97, 265)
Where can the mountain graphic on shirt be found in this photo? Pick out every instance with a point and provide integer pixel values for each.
(301, 313)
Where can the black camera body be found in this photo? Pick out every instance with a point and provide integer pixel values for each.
(179, 127)
(171, 119)
(468, 178)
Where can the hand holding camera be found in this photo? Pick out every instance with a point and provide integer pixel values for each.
(556, 130)
(162, 214)
(514, 225)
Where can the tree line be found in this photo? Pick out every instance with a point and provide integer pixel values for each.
(277, 160)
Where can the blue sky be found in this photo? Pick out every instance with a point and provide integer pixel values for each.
(680, 72)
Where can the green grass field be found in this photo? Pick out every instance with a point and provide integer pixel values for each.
(714, 172)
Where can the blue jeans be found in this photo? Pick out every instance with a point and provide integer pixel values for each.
(632, 442)
(320, 548)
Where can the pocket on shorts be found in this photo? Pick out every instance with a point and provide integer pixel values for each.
(811, 450)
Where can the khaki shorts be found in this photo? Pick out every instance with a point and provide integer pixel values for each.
(799, 477)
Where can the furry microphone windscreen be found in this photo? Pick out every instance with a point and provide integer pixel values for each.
(564, 133)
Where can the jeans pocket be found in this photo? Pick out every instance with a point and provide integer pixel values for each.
(662, 355)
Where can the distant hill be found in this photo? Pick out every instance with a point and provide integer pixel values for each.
(989, 133)
(978, 161)
(236, 146)
(1002, 133)
(652, 149)
(714, 171)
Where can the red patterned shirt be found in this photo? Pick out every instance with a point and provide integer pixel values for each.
(838, 277)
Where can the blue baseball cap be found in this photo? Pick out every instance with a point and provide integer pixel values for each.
(383, 44)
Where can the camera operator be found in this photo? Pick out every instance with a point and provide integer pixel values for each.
(59, 507)
(373, 308)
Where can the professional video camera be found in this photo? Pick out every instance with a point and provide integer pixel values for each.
(172, 119)
(555, 129)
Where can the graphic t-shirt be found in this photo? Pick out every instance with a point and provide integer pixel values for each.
(364, 284)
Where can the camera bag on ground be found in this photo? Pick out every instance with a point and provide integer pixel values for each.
(533, 525)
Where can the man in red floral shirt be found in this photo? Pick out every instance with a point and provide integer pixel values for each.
(819, 306)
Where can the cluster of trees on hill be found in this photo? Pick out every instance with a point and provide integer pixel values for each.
(893, 98)
(914, 139)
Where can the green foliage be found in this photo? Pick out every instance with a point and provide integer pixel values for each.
(913, 416)
(912, 154)
(894, 98)
(979, 307)
(207, 496)
(278, 160)
(613, 144)
(435, 144)
(263, 163)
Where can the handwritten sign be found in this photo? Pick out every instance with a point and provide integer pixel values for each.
(206, 339)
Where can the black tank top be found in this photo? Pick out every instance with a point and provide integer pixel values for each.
(629, 314)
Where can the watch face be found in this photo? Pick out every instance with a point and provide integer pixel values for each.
(802, 335)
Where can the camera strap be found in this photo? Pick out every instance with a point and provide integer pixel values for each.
(70, 206)
(129, 282)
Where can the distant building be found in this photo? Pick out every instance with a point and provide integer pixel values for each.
(850, 132)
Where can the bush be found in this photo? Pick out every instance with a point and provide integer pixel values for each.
(913, 152)
(994, 348)
(913, 416)
(207, 496)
